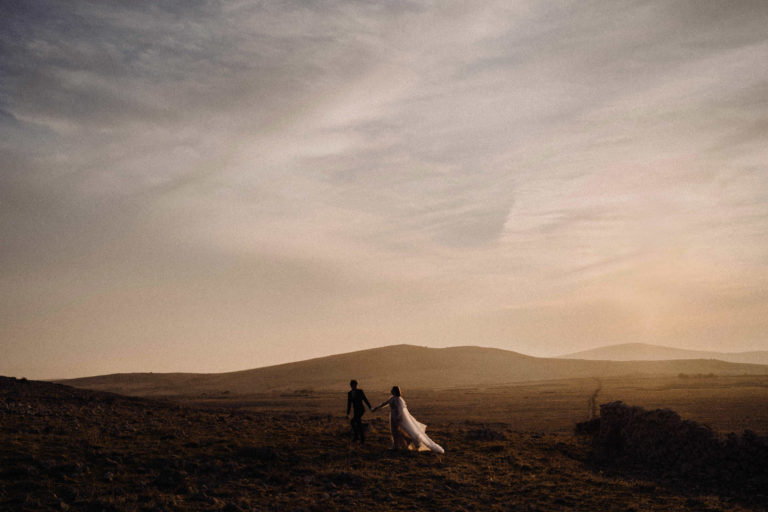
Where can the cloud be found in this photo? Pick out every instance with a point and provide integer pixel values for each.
(298, 175)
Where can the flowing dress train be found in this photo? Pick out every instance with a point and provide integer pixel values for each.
(406, 428)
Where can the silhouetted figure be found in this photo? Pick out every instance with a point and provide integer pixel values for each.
(406, 431)
(355, 399)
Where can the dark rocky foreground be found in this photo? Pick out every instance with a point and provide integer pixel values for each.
(660, 445)
(68, 449)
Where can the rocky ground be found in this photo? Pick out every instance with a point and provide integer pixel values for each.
(68, 449)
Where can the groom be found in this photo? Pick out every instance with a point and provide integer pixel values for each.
(355, 399)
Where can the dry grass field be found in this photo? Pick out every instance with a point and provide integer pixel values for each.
(507, 448)
(725, 403)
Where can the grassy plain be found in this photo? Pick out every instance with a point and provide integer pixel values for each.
(725, 403)
(508, 448)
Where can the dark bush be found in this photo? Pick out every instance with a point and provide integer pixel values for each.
(661, 443)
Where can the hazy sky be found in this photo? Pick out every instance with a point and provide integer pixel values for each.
(211, 186)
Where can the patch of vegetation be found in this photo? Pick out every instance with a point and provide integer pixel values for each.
(659, 444)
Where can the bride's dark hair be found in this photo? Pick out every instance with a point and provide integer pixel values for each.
(395, 390)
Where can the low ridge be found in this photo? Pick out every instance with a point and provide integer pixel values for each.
(647, 352)
(406, 365)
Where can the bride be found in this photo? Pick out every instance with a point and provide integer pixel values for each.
(406, 431)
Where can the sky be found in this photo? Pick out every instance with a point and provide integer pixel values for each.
(208, 186)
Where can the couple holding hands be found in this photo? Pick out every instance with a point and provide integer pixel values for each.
(406, 431)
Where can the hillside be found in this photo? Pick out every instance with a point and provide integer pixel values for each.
(409, 366)
(646, 352)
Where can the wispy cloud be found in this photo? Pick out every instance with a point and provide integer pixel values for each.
(298, 178)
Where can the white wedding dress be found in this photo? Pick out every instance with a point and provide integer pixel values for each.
(405, 426)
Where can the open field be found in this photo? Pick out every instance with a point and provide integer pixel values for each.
(727, 404)
(506, 449)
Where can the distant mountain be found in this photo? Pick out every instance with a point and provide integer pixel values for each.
(644, 352)
(406, 365)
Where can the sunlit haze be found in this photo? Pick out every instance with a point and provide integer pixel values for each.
(213, 186)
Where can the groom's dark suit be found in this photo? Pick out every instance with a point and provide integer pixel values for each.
(355, 399)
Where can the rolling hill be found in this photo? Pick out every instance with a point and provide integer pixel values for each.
(409, 366)
(645, 352)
